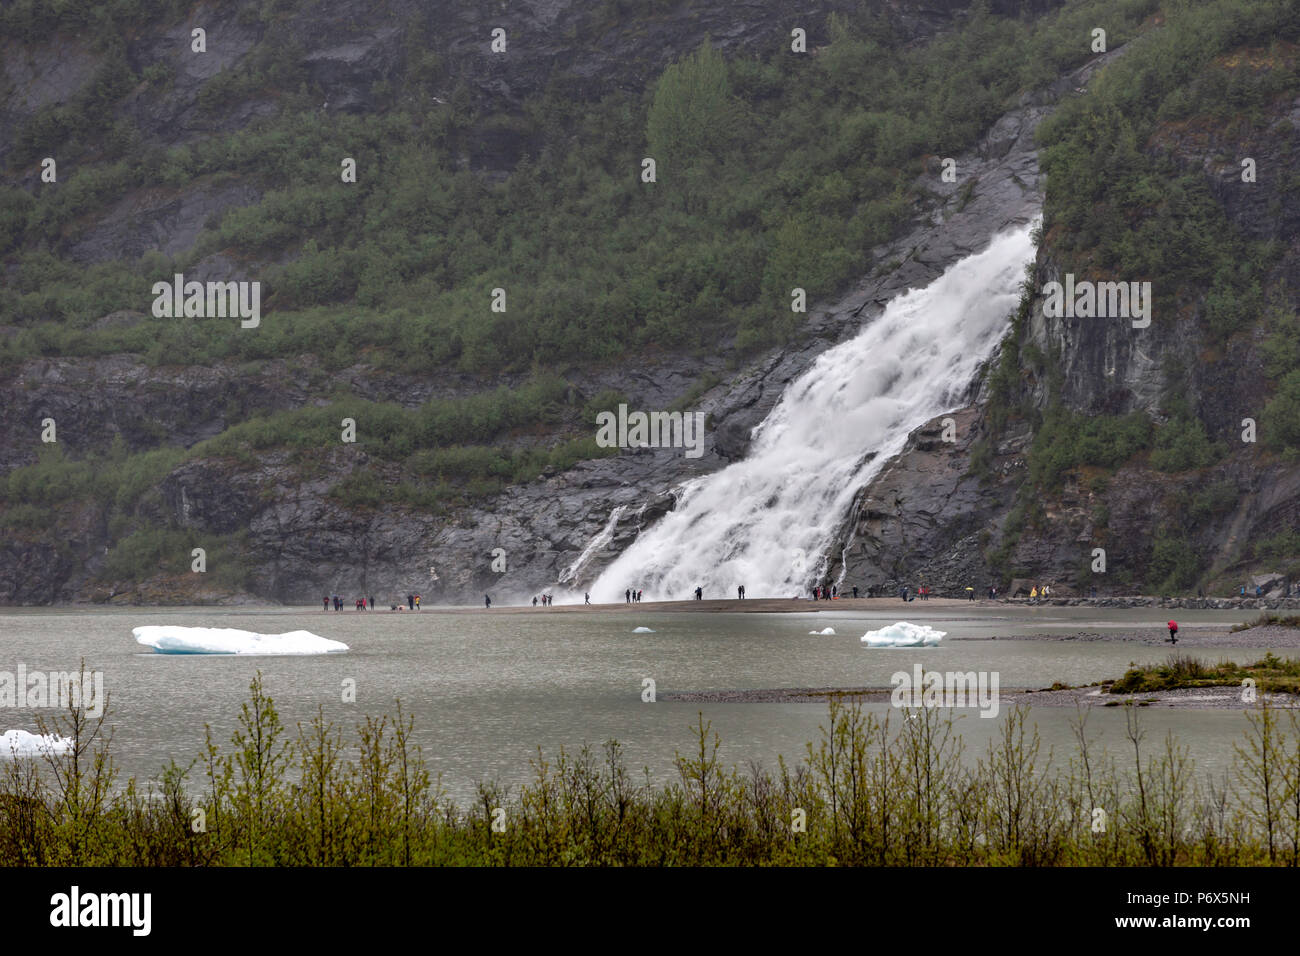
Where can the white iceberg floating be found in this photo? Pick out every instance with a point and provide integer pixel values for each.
(825, 630)
(643, 630)
(19, 743)
(903, 634)
(170, 639)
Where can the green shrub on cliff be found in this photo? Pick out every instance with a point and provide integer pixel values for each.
(1124, 208)
(1067, 440)
(1174, 564)
(1181, 445)
(1280, 427)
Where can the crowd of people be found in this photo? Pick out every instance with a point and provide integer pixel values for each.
(831, 592)
(368, 603)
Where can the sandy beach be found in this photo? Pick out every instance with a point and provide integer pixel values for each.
(733, 606)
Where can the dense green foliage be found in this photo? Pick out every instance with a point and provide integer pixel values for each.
(1123, 204)
(1182, 445)
(435, 470)
(1132, 209)
(124, 489)
(1066, 440)
(1174, 564)
(1119, 202)
(774, 173)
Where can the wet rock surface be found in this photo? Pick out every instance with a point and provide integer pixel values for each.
(1105, 366)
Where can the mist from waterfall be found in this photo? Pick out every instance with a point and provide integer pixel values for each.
(766, 521)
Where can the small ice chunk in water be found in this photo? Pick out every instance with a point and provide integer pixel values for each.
(825, 630)
(19, 743)
(171, 639)
(643, 630)
(903, 634)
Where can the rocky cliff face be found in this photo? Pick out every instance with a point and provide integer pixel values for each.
(296, 540)
(940, 513)
(936, 515)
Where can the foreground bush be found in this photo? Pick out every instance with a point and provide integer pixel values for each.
(868, 793)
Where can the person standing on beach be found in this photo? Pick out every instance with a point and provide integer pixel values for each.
(487, 601)
(325, 603)
(410, 602)
(1173, 632)
(586, 597)
(855, 591)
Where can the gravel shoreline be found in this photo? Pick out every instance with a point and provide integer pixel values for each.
(1189, 636)
(1227, 697)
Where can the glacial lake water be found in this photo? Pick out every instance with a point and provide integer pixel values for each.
(487, 689)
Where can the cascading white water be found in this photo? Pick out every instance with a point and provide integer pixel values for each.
(761, 521)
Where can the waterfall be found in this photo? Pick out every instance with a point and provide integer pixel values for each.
(766, 521)
(570, 573)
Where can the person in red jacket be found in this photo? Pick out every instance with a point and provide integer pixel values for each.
(1173, 632)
